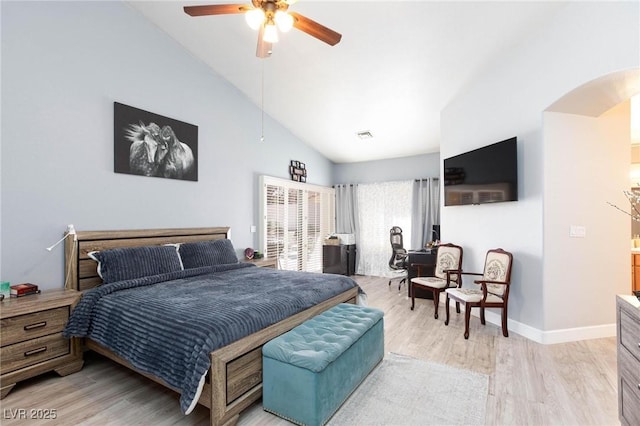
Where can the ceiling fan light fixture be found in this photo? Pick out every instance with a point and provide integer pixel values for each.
(284, 21)
(254, 17)
(268, 17)
(270, 33)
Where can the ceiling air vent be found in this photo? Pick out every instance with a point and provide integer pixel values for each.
(364, 134)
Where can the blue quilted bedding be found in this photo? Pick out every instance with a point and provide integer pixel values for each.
(168, 324)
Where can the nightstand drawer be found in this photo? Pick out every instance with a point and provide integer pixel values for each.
(33, 351)
(29, 326)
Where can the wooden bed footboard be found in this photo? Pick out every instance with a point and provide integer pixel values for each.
(235, 376)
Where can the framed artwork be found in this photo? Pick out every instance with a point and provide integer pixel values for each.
(298, 171)
(149, 144)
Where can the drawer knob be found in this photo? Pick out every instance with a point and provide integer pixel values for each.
(36, 325)
(35, 351)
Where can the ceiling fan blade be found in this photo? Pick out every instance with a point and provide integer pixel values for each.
(216, 9)
(315, 29)
(264, 48)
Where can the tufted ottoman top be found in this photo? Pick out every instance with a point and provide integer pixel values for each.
(318, 341)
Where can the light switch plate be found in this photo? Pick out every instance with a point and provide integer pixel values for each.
(577, 231)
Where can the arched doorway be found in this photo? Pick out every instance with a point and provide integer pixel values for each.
(586, 164)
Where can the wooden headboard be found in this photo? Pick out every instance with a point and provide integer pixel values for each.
(81, 272)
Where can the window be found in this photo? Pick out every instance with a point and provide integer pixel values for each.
(296, 218)
(381, 206)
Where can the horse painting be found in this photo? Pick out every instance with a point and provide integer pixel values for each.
(148, 144)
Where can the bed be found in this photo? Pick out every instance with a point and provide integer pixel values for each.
(233, 378)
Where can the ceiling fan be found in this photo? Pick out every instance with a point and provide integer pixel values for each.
(269, 16)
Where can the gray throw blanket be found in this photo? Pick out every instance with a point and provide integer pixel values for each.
(168, 324)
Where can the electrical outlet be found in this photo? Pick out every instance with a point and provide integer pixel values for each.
(252, 229)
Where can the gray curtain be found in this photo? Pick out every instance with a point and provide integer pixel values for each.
(425, 211)
(347, 213)
(346, 209)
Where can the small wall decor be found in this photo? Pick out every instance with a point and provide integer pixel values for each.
(149, 144)
(298, 171)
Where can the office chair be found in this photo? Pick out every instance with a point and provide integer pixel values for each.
(398, 259)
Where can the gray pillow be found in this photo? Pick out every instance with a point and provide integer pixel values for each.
(207, 253)
(136, 262)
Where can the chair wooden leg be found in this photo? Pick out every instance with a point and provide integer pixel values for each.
(457, 307)
(436, 303)
(446, 320)
(413, 298)
(482, 321)
(505, 331)
(467, 317)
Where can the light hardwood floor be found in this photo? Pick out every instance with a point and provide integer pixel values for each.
(529, 384)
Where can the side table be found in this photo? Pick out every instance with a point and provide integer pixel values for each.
(31, 337)
(264, 262)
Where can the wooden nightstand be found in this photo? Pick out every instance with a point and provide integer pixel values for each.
(31, 337)
(265, 263)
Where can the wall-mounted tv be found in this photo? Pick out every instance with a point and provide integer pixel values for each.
(484, 175)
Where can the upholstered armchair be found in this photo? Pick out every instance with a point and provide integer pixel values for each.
(447, 274)
(493, 291)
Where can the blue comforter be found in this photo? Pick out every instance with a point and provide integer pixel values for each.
(168, 324)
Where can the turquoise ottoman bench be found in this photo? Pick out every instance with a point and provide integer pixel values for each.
(308, 372)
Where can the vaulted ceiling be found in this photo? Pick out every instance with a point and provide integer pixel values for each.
(399, 63)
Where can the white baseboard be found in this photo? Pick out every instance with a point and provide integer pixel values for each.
(548, 337)
(580, 333)
(554, 336)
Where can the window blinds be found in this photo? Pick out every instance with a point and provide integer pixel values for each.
(296, 217)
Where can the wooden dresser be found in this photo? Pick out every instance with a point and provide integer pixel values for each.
(628, 324)
(31, 337)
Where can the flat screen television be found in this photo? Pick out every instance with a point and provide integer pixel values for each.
(484, 175)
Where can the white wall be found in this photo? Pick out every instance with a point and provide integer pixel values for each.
(583, 169)
(584, 41)
(393, 169)
(63, 66)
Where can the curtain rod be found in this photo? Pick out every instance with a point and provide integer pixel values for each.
(356, 184)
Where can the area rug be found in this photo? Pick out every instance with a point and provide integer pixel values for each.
(405, 391)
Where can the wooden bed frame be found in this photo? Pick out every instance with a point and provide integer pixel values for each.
(234, 380)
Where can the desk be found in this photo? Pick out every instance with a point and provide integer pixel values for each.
(424, 257)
